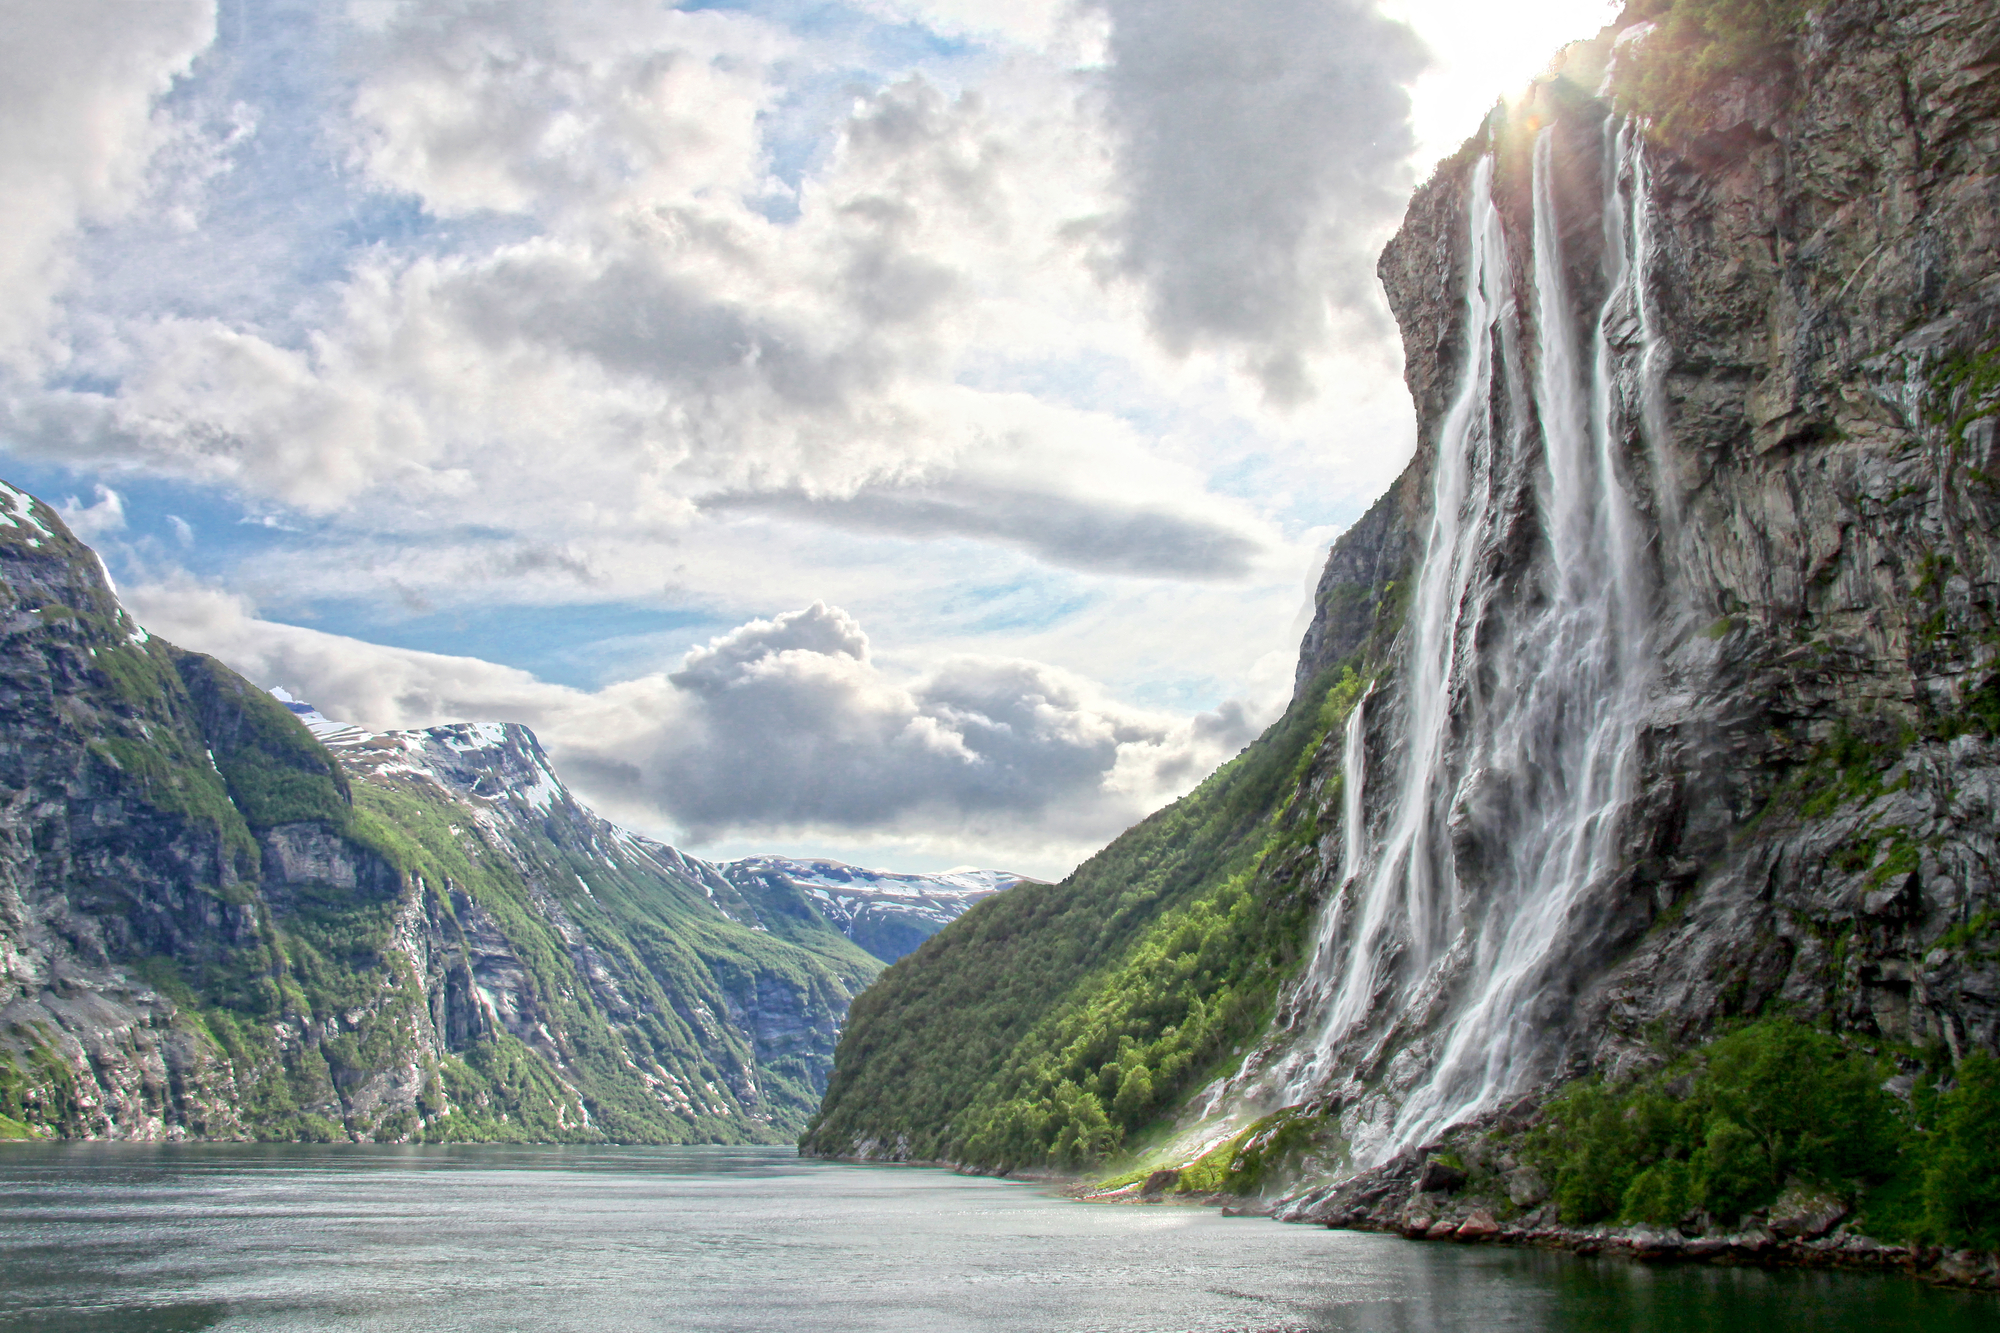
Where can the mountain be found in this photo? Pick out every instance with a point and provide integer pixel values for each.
(886, 913)
(215, 922)
(1627, 852)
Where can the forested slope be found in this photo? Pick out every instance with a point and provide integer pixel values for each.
(1051, 1021)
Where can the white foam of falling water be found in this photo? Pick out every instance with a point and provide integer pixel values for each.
(1403, 895)
(1353, 781)
(1525, 747)
(1563, 742)
(1653, 350)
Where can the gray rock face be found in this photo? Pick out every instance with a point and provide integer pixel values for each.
(1811, 814)
(1817, 802)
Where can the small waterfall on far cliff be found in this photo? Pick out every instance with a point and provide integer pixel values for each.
(1511, 752)
(1353, 784)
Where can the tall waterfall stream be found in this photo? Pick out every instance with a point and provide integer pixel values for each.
(1491, 817)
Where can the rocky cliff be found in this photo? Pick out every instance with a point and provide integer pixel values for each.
(213, 925)
(1658, 695)
(1765, 348)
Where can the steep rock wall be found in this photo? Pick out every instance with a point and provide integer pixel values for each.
(1811, 817)
(1765, 342)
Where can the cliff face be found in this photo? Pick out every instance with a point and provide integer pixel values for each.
(1829, 280)
(213, 925)
(1817, 760)
(1780, 368)
(1673, 695)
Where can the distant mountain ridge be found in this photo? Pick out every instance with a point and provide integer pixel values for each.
(888, 913)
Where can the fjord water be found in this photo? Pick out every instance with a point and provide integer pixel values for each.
(149, 1239)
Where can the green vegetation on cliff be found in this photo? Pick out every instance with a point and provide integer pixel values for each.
(1698, 46)
(1051, 1021)
(1728, 1128)
(277, 773)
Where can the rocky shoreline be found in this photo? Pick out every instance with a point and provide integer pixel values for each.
(1414, 1197)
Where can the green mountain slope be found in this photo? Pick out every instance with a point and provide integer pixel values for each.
(212, 925)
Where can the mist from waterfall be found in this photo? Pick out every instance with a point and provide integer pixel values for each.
(1509, 758)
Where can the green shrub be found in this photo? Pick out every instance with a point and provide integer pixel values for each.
(1723, 1130)
(1726, 1128)
(1732, 1172)
(1814, 1106)
(1961, 1179)
(1698, 45)
(1661, 1194)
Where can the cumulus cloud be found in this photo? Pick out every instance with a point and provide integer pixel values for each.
(784, 727)
(77, 125)
(1264, 150)
(90, 522)
(520, 106)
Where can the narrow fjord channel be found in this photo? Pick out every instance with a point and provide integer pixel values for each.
(118, 1238)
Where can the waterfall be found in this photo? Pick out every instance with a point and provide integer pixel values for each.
(1515, 751)
(1353, 782)
(1402, 895)
(1653, 350)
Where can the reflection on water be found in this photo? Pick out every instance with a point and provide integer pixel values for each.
(169, 1239)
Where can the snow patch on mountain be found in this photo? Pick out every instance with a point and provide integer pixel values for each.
(504, 769)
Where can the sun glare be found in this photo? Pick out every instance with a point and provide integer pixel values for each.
(1481, 53)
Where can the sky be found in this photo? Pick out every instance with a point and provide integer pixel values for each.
(898, 430)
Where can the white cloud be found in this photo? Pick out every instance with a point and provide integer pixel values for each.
(670, 346)
(562, 111)
(91, 522)
(782, 729)
(1264, 153)
(78, 81)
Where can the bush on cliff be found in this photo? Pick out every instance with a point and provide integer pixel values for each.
(1961, 1180)
(1722, 1130)
(1725, 1129)
(1698, 46)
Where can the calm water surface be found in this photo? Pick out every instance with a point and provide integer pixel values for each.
(130, 1239)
